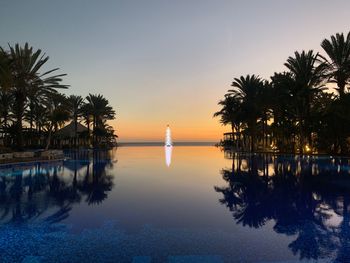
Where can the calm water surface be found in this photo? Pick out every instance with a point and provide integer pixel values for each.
(185, 204)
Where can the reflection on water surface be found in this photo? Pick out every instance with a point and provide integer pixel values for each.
(305, 197)
(207, 206)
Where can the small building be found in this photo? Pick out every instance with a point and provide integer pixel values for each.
(65, 137)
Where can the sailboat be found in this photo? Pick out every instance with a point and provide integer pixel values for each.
(168, 142)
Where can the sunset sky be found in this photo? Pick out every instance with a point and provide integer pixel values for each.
(168, 62)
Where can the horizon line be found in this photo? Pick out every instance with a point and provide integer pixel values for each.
(179, 143)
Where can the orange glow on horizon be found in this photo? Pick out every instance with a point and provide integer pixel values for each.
(130, 132)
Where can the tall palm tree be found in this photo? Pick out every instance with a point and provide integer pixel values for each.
(75, 103)
(25, 64)
(248, 89)
(57, 113)
(6, 83)
(338, 51)
(6, 101)
(87, 117)
(35, 97)
(309, 72)
(86, 114)
(41, 118)
(230, 113)
(283, 110)
(265, 109)
(101, 112)
(6, 78)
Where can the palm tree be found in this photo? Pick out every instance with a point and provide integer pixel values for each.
(87, 117)
(29, 97)
(338, 51)
(6, 78)
(6, 83)
(265, 109)
(230, 112)
(6, 100)
(283, 111)
(86, 114)
(308, 72)
(101, 111)
(25, 64)
(35, 97)
(248, 89)
(75, 103)
(57, 113)
(329, 113)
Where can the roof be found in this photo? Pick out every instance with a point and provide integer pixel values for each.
(69, 130)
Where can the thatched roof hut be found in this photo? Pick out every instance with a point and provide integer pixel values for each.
(69, 131)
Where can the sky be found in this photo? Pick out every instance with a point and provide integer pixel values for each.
(168, 62)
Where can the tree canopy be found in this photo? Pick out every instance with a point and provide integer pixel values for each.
(32, 109)
(295, 111)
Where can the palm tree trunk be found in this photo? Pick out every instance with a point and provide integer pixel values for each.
(237, 137)
(31, 127)
(20, 100)
(342, 139)
(301, 135)
(253, 137)
(94, 131)
(341, 88)
(4, 128)
(49, 137)
(233, 133)
(75, 130)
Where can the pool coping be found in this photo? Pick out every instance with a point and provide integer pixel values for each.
(37, 160)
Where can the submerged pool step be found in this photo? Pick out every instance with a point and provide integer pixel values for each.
(182, 259)
(32, 259)
(195, 259)
(300, 261)
(142, 259)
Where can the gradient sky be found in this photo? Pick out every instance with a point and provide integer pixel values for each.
(161, 62)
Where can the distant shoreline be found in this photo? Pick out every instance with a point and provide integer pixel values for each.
(121, 144)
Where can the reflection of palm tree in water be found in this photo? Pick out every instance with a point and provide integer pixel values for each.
(299, 205)
(343, 254)
(30, 195)
(27, 198)
(97, 182)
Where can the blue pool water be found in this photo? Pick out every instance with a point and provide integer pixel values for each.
(132, 205)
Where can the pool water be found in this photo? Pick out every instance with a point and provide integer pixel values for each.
(183, 204)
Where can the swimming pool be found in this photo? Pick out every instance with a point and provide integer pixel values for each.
(131, 205)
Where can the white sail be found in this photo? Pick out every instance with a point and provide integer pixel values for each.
(168, 141)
